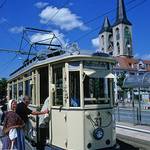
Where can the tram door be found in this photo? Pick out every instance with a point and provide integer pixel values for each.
(44, 132)
(74, 88)
(43, 84)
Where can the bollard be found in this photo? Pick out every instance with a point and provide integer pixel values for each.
(137, 115)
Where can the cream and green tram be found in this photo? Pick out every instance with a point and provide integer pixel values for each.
(78, 91)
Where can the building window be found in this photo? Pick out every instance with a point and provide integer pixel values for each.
(117, 34)
(102, 39)
(118, 48)
(110, 42)
(130, 64)
(128, 39)
(132, 73)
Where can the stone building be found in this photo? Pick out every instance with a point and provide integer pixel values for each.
(116, 40)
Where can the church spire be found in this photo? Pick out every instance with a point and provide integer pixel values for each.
(121, 14)
(106, 26)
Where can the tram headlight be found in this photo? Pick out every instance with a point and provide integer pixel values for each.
(98, 133)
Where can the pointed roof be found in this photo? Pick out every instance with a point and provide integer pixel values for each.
(121, 14)
(106, 26)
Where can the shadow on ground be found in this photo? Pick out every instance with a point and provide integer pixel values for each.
(125, 146)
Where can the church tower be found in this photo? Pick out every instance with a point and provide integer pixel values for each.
(122, 32)
(105, 36)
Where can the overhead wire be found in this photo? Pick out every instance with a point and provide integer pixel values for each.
(5, 66)
(97, 17)
(8, 34)
(67, 2)
(94, 19)
(104, 14)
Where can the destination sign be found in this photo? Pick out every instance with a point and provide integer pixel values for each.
(96, 64)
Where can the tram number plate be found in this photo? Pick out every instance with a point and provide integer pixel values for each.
(98, 121)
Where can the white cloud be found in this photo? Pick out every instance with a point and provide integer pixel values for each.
(95, 42)
(62, 17)
(46, 38)
(136, 55)
(16, 29)
(144, 56)
(41, 4)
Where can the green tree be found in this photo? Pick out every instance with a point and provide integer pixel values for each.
(120, 81)
(3, 87)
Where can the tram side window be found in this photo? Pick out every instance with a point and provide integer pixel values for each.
(15, 91)
(20, 89)
(10, 91)
(28, 90)
(74, 88)
(58, 81)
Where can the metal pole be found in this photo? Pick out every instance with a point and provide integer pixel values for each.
(37, 130)
(133, 107)
(118, 113)
(139, 107)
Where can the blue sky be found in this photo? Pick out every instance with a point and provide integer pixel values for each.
(70, 20)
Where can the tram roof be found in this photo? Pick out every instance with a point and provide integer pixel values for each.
(137, 81)
(60, 58)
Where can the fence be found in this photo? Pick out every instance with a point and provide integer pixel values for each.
(132, 115)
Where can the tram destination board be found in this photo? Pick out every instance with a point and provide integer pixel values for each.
(96, 64)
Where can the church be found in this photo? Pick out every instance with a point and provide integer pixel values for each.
(116, 40)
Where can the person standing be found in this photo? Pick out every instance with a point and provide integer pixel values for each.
(23, 111)
(13, 124)
(4, 109)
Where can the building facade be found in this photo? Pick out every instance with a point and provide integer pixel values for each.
(116, 39)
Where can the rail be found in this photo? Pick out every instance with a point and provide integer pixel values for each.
(133, 129)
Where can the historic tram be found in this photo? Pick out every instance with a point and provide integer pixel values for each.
(78, 91)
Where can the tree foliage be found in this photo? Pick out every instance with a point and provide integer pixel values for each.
(120, 80)
(3, 87)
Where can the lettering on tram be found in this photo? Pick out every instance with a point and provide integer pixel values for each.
(78, 91)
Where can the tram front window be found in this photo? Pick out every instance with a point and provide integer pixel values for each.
(96, 90)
